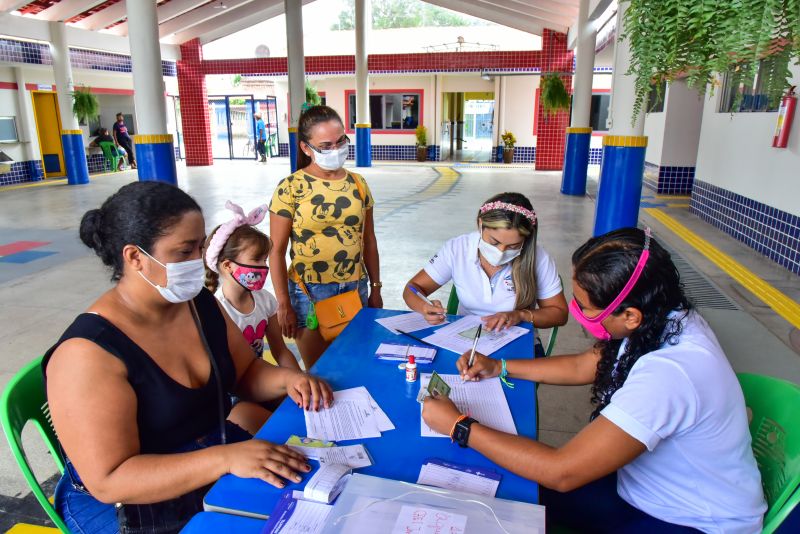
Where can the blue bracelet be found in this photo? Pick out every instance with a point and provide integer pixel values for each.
(504, 375)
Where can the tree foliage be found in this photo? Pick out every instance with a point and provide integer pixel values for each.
(402, 14)
(700, 38)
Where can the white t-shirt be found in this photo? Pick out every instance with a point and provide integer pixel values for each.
(684, 403)
(254, 324)
(477, 294)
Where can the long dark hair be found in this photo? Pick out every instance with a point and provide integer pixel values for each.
(523, 267)
(138, 214)
(239, 240)
(308, 119)
(603, 265)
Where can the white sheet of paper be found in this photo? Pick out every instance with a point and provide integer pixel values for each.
(407, 322)
(422, 520)
(326, 483)
(352, 416)
(391, 351)
(485, 401)
(443, 477)
(458, 336)
(384, 423)
(307, 518)
(353, 456)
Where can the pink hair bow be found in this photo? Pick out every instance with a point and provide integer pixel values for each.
(226, 229)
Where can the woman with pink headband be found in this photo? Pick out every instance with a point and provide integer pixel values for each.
(499, 271)
(668, 447)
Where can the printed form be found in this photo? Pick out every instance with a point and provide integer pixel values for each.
(353, 415)
(484, 401)
(458, 336)
(407, 322)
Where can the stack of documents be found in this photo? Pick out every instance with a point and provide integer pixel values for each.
(353, 415)
(449, 475)
(458, 336)
(392, 352)
(293, 515)
(407, 322)
(353, 456)
(484, 401)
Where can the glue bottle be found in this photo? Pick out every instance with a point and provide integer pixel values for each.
(411, 369)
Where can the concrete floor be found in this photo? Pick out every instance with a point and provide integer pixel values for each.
(417, 209)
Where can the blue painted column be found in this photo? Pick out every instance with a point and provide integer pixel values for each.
(620, 189)
(155, 158)
(74, 157)
(293, 148)
(364, 145)
(576, 161)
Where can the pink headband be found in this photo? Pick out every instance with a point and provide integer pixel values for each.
(528, 214)
(226, 229)
(637, 272)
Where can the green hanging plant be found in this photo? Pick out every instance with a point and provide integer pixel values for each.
(672, 39)
(554, 94)
(312, 95)
(85, 105)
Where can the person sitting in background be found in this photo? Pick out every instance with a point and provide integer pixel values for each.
(668, 448)
(500, 272)
(139, 386)
(104, 137)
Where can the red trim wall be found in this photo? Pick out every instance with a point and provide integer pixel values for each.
(349, 92)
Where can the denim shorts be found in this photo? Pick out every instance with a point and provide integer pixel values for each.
(319, 292)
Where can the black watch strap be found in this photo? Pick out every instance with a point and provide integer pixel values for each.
(461, 433)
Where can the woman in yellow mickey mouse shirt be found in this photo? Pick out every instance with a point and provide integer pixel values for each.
(321, 211)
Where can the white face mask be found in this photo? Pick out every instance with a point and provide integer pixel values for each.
(495, 256)
(333, 160)
(185, 279)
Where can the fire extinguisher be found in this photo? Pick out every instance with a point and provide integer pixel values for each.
(785, 117)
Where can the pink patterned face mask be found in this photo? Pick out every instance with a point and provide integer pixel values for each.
(594, 325)
(250, 277)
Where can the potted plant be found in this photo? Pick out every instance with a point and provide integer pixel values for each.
(421, 133)
(85, 105)
(508, 146)
(554, 94)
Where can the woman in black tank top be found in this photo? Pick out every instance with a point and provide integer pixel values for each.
(139, 385)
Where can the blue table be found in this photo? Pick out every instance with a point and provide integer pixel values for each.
(206, 522)
(350, 361)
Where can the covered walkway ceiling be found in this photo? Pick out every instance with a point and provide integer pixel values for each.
(208, 20)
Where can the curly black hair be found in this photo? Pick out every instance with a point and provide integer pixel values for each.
(602, 267)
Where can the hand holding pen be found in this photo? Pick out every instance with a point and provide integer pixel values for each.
(433, 311)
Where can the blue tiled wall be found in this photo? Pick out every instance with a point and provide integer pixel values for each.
(668, 180)
(595, 156)
(522, 154)
(20, 172)
(770, 231)
(39, 54)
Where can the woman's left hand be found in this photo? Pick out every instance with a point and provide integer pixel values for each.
(501, 320)
(375, 300)
(309, 392)
(440, 414)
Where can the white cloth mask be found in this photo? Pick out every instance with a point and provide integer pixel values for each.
(185, 279)
(495, 256)
(331, 160)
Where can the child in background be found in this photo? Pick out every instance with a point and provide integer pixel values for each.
(236, 254)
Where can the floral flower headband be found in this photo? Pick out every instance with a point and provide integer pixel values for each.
(226, 229)
(491, 206)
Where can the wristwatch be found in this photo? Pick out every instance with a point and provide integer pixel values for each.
(461, 431)
(376, 284)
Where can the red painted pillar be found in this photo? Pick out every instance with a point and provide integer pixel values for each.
(550, 136)
(194, 105)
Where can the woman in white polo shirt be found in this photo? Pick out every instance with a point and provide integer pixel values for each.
(668, 448)
(499, 271)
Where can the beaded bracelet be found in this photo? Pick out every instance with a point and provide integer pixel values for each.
(503, 377)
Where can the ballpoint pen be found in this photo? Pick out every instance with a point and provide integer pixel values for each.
(425, 299)
(474, 346)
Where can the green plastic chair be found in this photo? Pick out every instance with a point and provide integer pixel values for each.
(775, 430)
(24, 401)
(452, 309)
(111, 155)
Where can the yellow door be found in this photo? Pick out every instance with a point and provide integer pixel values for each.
(48, 129)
